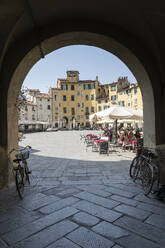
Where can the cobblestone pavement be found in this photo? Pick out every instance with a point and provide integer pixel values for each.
(78, 198)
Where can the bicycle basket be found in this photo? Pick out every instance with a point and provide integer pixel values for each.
(23, 154)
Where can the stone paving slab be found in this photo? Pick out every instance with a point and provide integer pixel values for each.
(88, 239)
(97, 211)
(145, 230)
(63, 243)
(134, 212)
(109, 230)
(58, 205)
(47, 236)
(135, 241)
(107, 203)
(156, 220)
(38, 225)
(85, 219)
(125, 200)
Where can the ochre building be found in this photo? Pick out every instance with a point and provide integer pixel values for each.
(74, 100)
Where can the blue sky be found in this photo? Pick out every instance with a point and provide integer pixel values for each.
(89, 61)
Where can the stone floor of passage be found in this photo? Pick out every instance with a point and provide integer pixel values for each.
(79, 198)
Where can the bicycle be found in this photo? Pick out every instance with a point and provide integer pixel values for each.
(145, 170)
(20, 168)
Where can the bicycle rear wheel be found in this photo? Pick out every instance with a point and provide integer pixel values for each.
(27, 178)
(19, 181)
(147, 177)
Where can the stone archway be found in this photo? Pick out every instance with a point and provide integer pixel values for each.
(77, 38)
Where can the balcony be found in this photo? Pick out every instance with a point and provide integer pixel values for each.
(102, 97)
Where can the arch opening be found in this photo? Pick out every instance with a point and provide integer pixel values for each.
(90, 39)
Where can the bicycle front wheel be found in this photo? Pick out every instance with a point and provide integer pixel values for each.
(19, 181)
(147, 177)
(133, 167)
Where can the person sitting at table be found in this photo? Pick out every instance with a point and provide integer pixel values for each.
(125, 140)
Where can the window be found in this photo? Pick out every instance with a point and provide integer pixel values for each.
(87, 110)
(48, 100)
(64, 87)
(40, 99)
(79, 85)
(85, 86)
(78, 105)
(86, 97)
(121, 93)
(92, 97)
(33, 117)
(64, 97)
(113, 98)
(82, 105)
(73, 111)
(72, 98)
(135, 90)
(113, 87)
(82, 93)
(122, 103)
(55, 97)
(99, 101)
(93, 86)
(78, 93)
(106, 101)
(56, 110)
(129, 104)
(89, 86)
(41, 106)
(87, 117)
(48, 106)
(105, 107)
(92, 109)
(82, 117)
(26, 108)
(78, 117)
(72, 87)
(64, 110)
(33, 109)
(99, 108)
(135, 101)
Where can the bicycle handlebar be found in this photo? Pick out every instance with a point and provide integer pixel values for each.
(21, 149)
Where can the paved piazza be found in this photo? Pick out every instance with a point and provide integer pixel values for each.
(78, 198)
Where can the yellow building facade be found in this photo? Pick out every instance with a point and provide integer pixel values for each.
(74, 100)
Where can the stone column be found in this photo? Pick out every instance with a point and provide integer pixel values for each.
(160, 149)
(4, 171)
